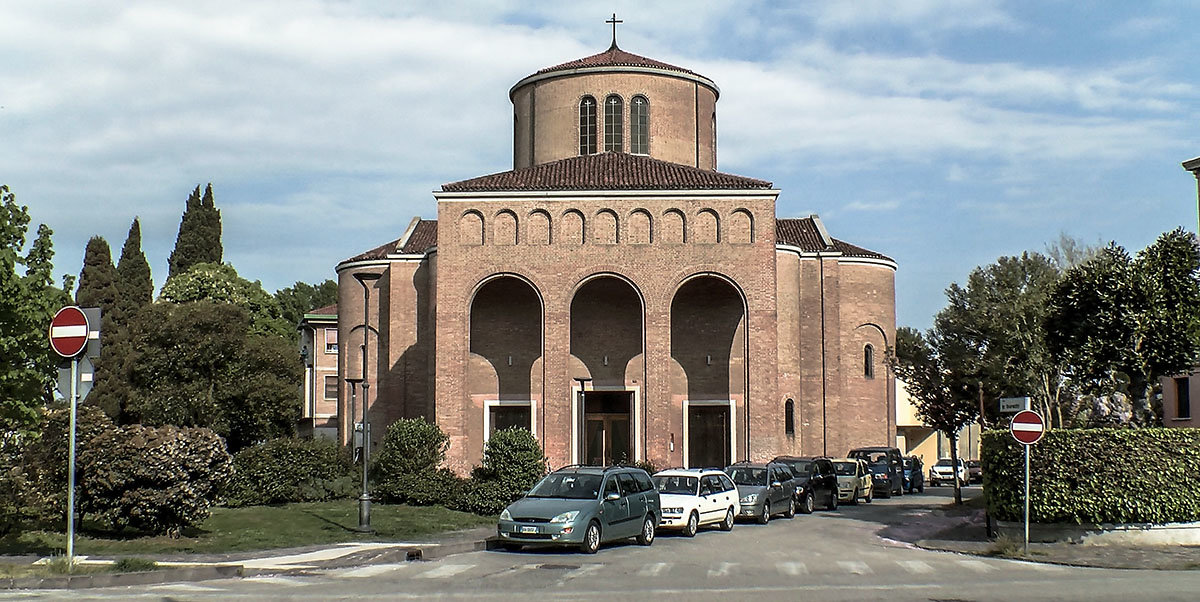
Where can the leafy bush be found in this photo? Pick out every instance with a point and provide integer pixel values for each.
(486, 497)
(407, 467)
(1096, 476)
(290, 470)
(512, 458)
(43, 462)
(159, 480)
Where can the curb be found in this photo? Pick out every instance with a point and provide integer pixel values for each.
(203, 573)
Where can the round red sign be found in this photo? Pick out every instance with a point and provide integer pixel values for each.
(1027, 427)
(69, 331)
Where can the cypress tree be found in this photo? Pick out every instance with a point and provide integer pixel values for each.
(98, 288)
(199, 238)
(134, 285)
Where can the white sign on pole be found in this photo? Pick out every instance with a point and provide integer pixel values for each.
(1012, 405)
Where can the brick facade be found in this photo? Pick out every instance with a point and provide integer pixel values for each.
(689, 313)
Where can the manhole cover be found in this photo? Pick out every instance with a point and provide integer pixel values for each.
(559, 567)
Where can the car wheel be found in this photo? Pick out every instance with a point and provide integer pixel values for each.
(854, 498)
(791, 509)
(646, 537)
(809, 503)
(833, 500)
(591, 539)
(727, 524)
(693, 525)
(766, 514)
(870, 494)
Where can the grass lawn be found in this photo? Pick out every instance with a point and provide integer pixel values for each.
(259, 528)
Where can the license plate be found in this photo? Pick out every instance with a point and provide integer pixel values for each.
(529, 529)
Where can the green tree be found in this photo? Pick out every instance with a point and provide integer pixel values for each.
(999, 318)
(134, 284)
(98, 288)
(198, 364)
(301, 298)
(220, 283)
(1119, 323)
(943, 398)
(199, 238)
(27, 304)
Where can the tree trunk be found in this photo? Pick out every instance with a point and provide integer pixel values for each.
(954, 466)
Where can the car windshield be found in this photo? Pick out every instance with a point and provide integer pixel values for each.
(872, 458)
(749, 476)
(568, 485)
(677, 484)
(846, 468)
(945, 462)
(800, 467)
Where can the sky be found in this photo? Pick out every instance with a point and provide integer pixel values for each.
(944, 134)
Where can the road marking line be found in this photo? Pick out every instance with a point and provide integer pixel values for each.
(446, 570)
(275, 580)
(723, 569)
(186, 587)
(373, 570)
(792, 568)
(917, 567)
(978, 566)
(855, 567)
(653, 570)
(1050, 568)
(582, 571)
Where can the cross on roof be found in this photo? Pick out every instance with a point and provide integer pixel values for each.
(613, 21)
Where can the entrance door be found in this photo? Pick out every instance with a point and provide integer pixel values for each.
(708, 436)
(606, 427)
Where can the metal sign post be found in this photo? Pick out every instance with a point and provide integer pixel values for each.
(1027, 428)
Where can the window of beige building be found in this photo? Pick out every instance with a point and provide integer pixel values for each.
(614, 124)
(1183, 398)
(331, 388)
(331, 340)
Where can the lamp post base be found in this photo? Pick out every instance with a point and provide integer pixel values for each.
(364, 514)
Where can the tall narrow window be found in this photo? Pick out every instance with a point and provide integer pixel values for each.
(639, 126)
(789, 417)
(614, 126)
(869, 361)
(331, 340)
(1183, 398)
(331, 388)
(587, 126)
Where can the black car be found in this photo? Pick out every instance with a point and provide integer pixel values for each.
(914, 475)
(816, 482)
(887, 468)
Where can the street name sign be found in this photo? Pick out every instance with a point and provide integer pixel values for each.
(1027, 427)
(1012, 405)
(69, 331)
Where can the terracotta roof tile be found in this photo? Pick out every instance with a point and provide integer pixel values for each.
(607, 171)
(802, 232)
(377, 253)
(328, 310)
(423, 238)
(614, 57)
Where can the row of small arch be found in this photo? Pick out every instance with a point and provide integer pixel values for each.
(606, 227)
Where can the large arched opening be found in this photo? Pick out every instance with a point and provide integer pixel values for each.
(504, 372)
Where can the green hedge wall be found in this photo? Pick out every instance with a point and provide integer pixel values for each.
(1096, 476)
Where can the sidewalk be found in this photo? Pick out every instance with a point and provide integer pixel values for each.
(962, 529)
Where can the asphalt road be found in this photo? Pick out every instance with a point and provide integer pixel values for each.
(825, 556)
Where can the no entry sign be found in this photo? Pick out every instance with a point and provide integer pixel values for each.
(1027, 427)
(69, 331)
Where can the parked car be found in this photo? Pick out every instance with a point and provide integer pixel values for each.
(764, 490)
(584, 506)
(944, 472)
(914, 474)
(816, 482)
(692, 498)
(854, 480)
(974, 471)
(886, 468)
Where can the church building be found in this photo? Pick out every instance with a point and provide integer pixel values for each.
(618, 296)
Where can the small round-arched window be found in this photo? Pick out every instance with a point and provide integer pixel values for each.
(789, 417)
(587, 126)
(614, 128)
(639, 126)
(869, 362)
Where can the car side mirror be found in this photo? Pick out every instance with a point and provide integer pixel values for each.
(776, 485)
(612, 497)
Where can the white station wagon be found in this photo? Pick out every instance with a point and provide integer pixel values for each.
(694, 497)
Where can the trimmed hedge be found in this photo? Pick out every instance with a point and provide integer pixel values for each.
(407, 467)
(1096, 476)
(288, 470)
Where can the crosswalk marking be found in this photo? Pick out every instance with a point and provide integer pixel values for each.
(855, 567)
(917, 567)
(653, 570)
(582, 571)
(446, 570)
(373, 570)
(723, 569)
(1050, 568)
(792, 568)
(978, 566)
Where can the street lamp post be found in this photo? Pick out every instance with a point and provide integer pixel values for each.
(364, 500)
